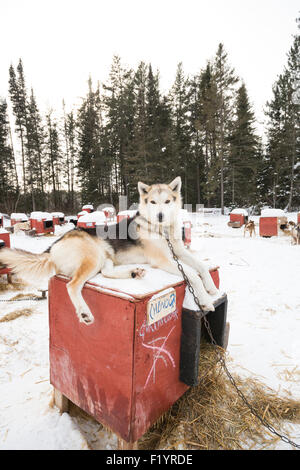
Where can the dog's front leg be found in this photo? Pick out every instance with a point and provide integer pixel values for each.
(170, 266)
(192, 261)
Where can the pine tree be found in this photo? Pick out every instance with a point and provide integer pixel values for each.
(225, 80)
(243, 158)
(8, 176)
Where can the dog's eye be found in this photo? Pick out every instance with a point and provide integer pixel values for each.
(167, 202)
(153, 202)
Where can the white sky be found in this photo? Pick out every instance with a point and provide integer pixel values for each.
(61, 42)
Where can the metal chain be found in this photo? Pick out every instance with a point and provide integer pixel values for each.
(221, 357)
(21, 300)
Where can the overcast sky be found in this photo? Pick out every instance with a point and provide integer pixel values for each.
(61, 42)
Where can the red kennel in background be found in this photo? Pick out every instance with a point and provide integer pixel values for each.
(238, 217)
(41, 222)
(58, 218)
(17, 217)
(88, 208)
(298, 218)
(125, 215)
(90, 220)
(5, 242)
(122, 370)
(270, 222)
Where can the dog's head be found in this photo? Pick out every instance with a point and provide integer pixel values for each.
(160, 203)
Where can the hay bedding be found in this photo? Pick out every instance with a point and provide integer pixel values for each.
(211, 416)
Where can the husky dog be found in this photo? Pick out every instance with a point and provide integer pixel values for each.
(295, 233)
(20, 226)
(81, 254)
(250, 227)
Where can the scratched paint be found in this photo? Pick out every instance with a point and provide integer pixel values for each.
(160, 352)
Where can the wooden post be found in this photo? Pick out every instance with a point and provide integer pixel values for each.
(123, 445)
(61, 401)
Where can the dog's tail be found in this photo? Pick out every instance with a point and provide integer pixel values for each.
(29, 266)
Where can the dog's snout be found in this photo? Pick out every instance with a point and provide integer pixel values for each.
(160, 216)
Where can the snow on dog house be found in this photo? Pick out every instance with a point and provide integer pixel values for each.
(127, 368)
(271, 221)
(81, 213)
(109, 212)
(58, 218)
(41, 222)
(5, 242)
(17, 217)
(238, 217)
(126, 215)
(186, 228)
(73, 219)
(90, 220)
(88, 208)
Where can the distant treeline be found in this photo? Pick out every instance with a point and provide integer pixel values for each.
(126, 130)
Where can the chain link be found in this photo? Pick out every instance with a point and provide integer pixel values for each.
(220, 355)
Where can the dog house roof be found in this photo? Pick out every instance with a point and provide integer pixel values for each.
(97, 216)
(57, 214)
(19, 215)
(239, 211)
(38, 215)
(88, 206)
(272, 213)
(131, 213)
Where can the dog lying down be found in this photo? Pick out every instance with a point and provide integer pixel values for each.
(81, 253)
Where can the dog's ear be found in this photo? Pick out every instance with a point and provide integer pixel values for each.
(143, 188)
(175, 185)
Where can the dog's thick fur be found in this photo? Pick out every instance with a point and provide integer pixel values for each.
(81, 255)
(250, 227)
(20, 226)
(295, 233)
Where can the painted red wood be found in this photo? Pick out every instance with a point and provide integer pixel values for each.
(237, 218)
(58, 220)
(187, 233)
(120, 370)
(42, 225)
(268, 226)
(5, 236)
(298, 218)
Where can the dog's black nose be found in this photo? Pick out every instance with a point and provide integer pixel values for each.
(160, 216)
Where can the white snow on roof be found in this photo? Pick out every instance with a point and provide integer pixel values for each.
(239, 211)
(81, 213)
(129, 213)
(19, 216)
(97, 216)
(108, 209)
(272, 213)
(38, 215)
(57, 214)
(88, 206)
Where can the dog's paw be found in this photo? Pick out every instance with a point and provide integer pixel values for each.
(207, 306)
(138, 273)
(212, 290)
(86, 317)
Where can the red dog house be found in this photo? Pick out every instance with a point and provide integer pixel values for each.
(125, 215)
(88, 208)
(129, 366)
(41, 222)
(298, 218)
(5, 242)
(71, 219)
(90, 220)
(17, 217)
(238, 217)
(58, 218)
(270, 222)
(109, 213)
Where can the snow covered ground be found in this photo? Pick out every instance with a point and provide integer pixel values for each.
(261, 278)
